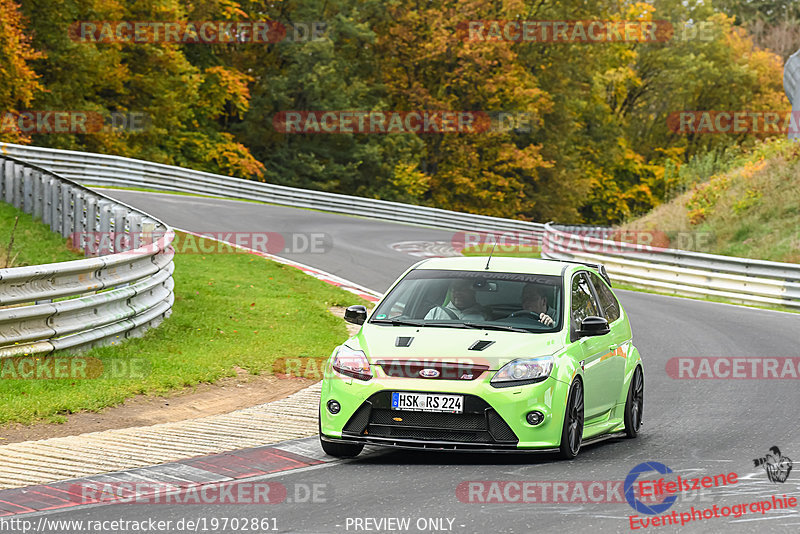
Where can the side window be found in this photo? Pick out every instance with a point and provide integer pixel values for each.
(583, 303)
(608, 302)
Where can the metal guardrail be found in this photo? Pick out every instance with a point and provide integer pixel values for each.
(123, 291)
(104, 170)
(667, 270)
(695, 274)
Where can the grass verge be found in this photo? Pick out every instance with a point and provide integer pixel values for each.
(750, 211)
(34, 243)
(231, 311)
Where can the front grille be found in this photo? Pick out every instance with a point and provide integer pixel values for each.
(498, 427)
(434, 435)
(444, 370)
(468, 421)
(479, 423)
(360, 419)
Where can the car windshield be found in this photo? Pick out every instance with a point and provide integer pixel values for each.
(469, 299)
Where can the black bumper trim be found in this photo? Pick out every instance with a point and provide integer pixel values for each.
(450, 446)
(431, 445)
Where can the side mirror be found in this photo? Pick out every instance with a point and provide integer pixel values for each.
(357, 314)
(593, 326)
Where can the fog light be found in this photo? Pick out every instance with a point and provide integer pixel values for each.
(334, 407)
(534, 418)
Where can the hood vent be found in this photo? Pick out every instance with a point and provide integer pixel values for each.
(403, 341)
(480, 345)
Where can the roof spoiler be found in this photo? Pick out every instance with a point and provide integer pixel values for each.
(600, 268)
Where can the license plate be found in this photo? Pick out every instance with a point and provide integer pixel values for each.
(427, 402)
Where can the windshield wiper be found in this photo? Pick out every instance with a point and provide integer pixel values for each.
(412, 322)
(491, 326)
(399, 322)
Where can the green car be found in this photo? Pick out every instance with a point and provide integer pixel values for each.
(486, 354)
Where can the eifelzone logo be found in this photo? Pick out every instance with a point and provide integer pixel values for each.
(775, 464)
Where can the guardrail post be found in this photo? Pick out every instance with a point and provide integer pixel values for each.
(120, 236)
(67, 214)
(27, 190)
(47, 211)
(9, 181)
(104, 228)
(79, 223)
(90, 238)
(55, 205)
(38, 194)
(18, 194)
(134, 231)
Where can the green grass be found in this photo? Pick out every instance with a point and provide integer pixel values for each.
(231, 310)
(34, 243)
(751, 211)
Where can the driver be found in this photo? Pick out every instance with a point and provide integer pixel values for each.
(534, 301)
(462, 305)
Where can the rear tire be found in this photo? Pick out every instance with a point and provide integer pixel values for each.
(572, 432)
(341, 450)
(634, 405)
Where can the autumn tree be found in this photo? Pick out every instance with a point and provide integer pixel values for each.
(154, 79)
(19, 81)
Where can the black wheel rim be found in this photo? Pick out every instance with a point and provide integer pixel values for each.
(637, 399)
(575, 423)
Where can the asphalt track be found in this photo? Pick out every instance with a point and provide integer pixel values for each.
(696, 427)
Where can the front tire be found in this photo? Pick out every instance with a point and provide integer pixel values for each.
(572, 432)
(634, 405)
(341, 450)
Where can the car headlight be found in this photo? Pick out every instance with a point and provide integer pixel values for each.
(520, 372)
(352, 363)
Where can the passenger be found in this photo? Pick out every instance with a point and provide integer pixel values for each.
(462, 305)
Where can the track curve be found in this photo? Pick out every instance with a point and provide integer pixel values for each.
(696, 427)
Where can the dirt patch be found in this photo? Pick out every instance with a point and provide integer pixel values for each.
(226, 395)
